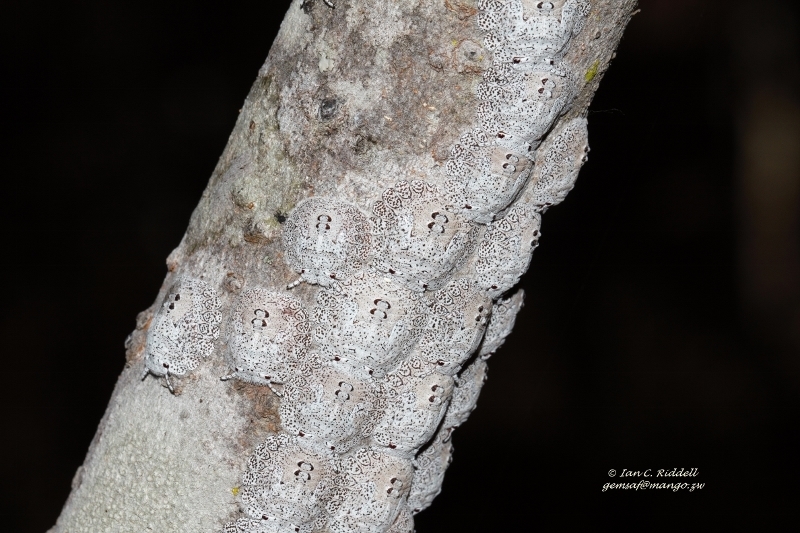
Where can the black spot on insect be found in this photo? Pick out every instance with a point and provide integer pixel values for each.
(280, 217)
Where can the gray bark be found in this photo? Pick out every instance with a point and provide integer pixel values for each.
(350, 101)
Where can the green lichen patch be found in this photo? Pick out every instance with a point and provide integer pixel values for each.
(592, 72)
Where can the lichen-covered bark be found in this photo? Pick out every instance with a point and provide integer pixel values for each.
(350, 102)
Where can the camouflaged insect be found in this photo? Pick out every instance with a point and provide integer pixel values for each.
(519, 114)
(326, 239)
(183, 330)
(465, 394)
(529, 29)
(528, 86)
(372, 488)
(505, 251)
(429, 468)
(332, 403)
(268, 524)
(248, 525)
(459, 314)
(485, 180)
(404, 523)
(414, 407)
(558, 162)
(424, 241)
(287, 481)
(501, 323)
(268, 333)
(369, 320)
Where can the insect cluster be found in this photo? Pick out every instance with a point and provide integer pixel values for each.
(269, 334)
(391, 358)
(183, 330)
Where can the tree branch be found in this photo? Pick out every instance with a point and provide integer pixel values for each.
(391, 165)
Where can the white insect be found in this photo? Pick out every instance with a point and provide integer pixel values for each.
(369, 320)
(484, 180)
(504, 315)
(325, 240)
(266, 524)
(332, 403)
(404, 523)
(287, 481)
(268, 333)
(517, 115)
(558, 162)
(423, 240)
(505, 251)
(372, 490)
(183, 330)
(530, 29)
(414, 407)
(528, 87)
(459, 314)
(429, 468)
(465, 394)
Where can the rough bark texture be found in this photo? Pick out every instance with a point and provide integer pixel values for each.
(350, 101)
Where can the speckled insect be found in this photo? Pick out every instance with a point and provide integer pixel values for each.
(268, 332)
(459, 314)
(404, 523)
(267, 524)
(287, 481)
(501, 323)
(373, 487)
(465, 394)
(183, 330)
(429, 468)
(528, 86)
(369, 320)
(528, 29)
(505, 251)
(331, 402)
(414, 408)
(519, 114)
(325, 240)
(558, 162)
(424, 240)
(485, 180)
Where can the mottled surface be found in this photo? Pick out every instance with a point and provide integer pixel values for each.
(350, 101)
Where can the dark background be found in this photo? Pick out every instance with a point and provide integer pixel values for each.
(662, 326)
